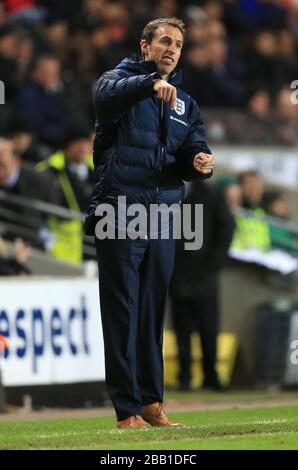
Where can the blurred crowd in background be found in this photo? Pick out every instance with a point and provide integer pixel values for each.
(238, 63)
(238, 55)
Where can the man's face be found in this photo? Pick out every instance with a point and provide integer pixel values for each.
(8, 162)
(8, 45)
(165, 48)
(77, 151)
(253, 188)
(47, 73)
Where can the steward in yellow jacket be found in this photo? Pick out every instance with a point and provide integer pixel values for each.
(73, 166)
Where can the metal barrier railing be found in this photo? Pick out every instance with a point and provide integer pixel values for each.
(290, 225)
(25, 225)
(40, 206)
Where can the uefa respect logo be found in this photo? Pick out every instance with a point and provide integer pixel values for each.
(2, 92)
(121, 220)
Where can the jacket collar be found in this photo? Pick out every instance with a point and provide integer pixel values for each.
(136, 65)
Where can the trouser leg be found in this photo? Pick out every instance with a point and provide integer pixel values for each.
(119, 281)
(156, 272)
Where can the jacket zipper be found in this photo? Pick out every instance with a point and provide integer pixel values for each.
(161, 116)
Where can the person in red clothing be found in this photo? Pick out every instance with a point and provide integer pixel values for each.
(16, 6)
(24, 11)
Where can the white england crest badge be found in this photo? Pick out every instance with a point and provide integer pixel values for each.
(180, 107)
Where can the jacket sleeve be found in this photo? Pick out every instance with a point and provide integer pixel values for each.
(115, 95)
(194, 143)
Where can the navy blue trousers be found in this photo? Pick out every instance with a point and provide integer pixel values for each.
(133, 282)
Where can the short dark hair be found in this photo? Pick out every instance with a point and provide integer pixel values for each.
(75, 132)
(270, 197)
(150, 28)
(40, 58)
(247, 173)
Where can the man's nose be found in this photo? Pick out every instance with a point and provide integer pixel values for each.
(172, 49)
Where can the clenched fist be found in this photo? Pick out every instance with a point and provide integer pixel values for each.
(166, 92)
(203, 163)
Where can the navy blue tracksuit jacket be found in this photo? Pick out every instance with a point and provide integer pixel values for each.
(143, 150)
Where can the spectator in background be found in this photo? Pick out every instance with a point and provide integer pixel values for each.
(74, 163)
(259, 104)
(93, 12)
(72, 11)
(286, 117)
(16, 6)
(287, 52)
(14, 263)
(232, 191)
(73, 166)
(198, 25)
(275, 205)
(196, 73)
(251, 231)
(217, 31)
(20, 179)
(213, 9)
(116, 19)
(20, 133)
(42, 102)
(252, 186)
(227, 90)
(3, 15)
(263, 64)
(166, 9)
(207, 75)
(284, 106)
(258, 119)
(24, 54)
(194, 287)
(55, 37)
(292, 17)
(24, 11)
(245, 17)
(8, 61)
(115, 33)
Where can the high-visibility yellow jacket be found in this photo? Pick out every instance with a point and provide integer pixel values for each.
(251, 232)
(67, 234)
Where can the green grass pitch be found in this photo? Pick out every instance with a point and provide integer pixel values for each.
(254, 428)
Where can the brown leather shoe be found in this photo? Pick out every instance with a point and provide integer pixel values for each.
(154, 414)
(133, 422)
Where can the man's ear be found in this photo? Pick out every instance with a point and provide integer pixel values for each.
(144, 47)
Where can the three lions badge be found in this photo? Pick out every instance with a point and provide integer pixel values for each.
(180, 107)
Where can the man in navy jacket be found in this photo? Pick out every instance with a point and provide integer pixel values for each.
(149, 138)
